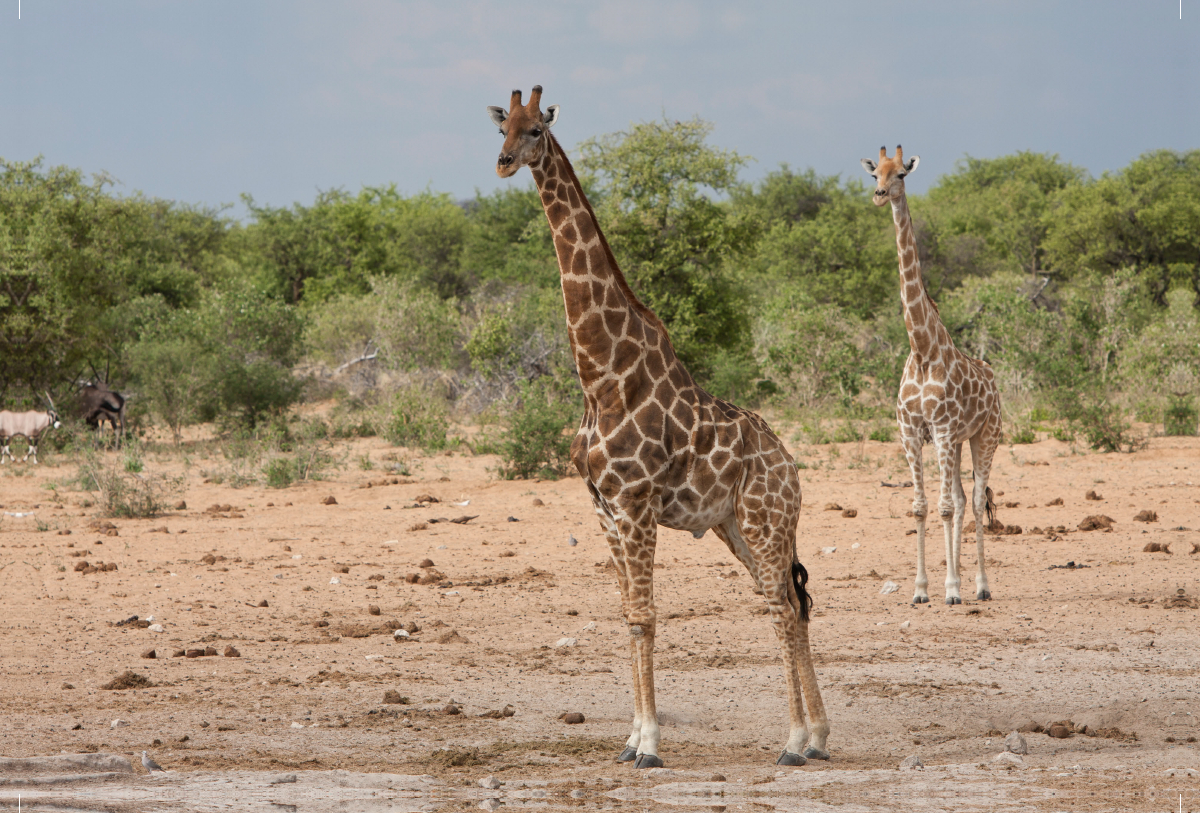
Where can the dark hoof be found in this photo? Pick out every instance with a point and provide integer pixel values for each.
(984, 595)
(816, 753)
(790, 759)
(647, 761)
(952, 600)
(628, 755)
(920, 599)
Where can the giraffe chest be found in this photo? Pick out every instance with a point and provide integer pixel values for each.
(949, 399)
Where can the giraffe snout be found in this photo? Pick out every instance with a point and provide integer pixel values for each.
(504, 160)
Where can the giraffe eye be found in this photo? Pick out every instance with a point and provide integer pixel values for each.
(536, 132)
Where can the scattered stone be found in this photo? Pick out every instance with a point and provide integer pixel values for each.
(850, 513)
(401, 635)
(537, 503)
(65, 532)
(1032, 727)
(210, 651)
(426, 563)
(1055, 501)
(68, 686)
(829, 550)
(1092, 495)
(330, 500)
(179, 653)
(413, 578)
(149, 654)
(571, 718)
(285, 779)
(181, 506)
(496, 714)
(128, 680)
(1146, 515)
(1015, 743)
(194, 653)
(911, 762)
(572, 541)
(489, 782)
(1009, 758)
(489, 804)
(832, 506)
(231, 651)
(1059, 731)
(463, 520)
(888, 587)
(335, 580)
(452, 709)
(565, 642)
(513, 519)
(1068, 566)
(373, 609)
(1157, 547)
(1097, 522)
(118, 723)
(263, 603)
(419, 526)
(720, 777)
(394, 697)
(426, 498)
(905, 625)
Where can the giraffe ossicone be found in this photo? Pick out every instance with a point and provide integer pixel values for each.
(946, 398)
(655, 449)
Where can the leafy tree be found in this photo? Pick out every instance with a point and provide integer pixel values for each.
(672, 241)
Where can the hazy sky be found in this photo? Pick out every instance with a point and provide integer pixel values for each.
(202, 101)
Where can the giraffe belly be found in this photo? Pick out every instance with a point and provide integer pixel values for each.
(685, 510)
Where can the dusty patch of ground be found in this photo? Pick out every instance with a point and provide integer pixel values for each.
(1109, 643)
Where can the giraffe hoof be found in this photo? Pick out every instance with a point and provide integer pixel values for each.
(984, 595)
(816, 753)
(952, 600)
(648, 761)
(920, 600)
(628, 755)
(790, 759)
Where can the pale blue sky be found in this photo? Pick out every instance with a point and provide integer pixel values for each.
(201, 101)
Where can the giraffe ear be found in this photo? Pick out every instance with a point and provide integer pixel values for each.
(551, 115)
(911, 164)
(497, 115)
(868, 165)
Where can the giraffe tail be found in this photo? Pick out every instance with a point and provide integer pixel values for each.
(991, 506)
(800, 579)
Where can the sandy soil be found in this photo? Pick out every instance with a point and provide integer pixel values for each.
(1112, 645)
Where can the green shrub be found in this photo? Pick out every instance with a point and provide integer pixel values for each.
(1064, 433)
(419, 420)
(1180, 416)
(1022, 433)
(534, 443)
(125, 494)
(847, 432)
(1104, 428)
(883, 434)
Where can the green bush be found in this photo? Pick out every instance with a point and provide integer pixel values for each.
(1022, 433)
(534, 443)
(1104, 428)
(125, 494)
(1180, 416)
(883, 434)
(419, 420)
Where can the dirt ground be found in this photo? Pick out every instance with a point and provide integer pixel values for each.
(512, 614)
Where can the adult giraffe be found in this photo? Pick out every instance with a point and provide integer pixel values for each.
(945, 397)
(655, 449)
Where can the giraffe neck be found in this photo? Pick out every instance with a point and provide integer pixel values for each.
(608, 327)
(926, 333)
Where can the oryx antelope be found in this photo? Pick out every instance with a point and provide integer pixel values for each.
(99, 404)
(29, 425)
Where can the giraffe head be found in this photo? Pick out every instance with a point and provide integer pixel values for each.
(889, 173)
(526, 131)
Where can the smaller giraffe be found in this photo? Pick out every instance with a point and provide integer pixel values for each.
(946, 397)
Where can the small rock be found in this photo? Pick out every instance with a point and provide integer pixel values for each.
(537, 502)
(330, 500)
(1008, 757)
(155, 628)
(1059, 731)
(181, 506)
(232, 652)
(571, 718)
(179, 653)
(489, 782)
(1092, 495)
(418, 526)
(565, 642)
(489, 804)
(394, 697)
(335, 580)
(118, 723)
(905, 625)
(850, 513)
(831, 549)
(888, 587)
(285, 779)
(210, 651)
(426, 563)
(1015, 743)
(588, 627)
(1146, 516)
(1097, 522)
(832, 506)
(572, 541)
(263, 603)
(149, 654)
(401, 635)
(373, 609)
(660, 772)
(513, 519)
(911, 762)
(717, 777)
(194, 653)
(67, 686)
(297, 725)
(452, 709)
(1157, 547)
(1055, 501)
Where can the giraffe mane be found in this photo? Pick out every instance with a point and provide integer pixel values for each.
(622, 284)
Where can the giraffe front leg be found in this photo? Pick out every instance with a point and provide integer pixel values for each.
(982, 504)
(638, 539)
(920, 508)
(946, 508)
